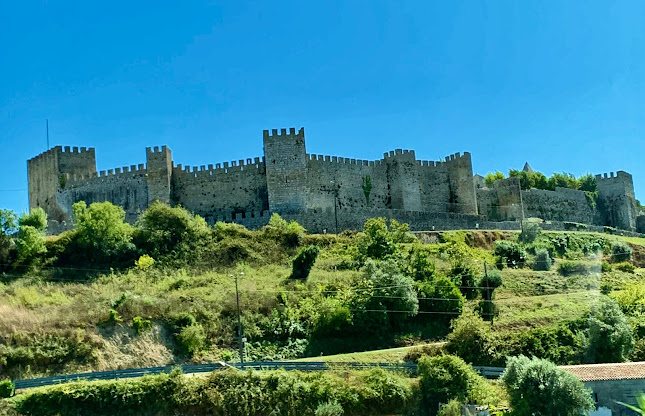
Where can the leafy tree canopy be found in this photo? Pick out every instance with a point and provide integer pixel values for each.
(610, 335)
(37, 218)
(167, 230)
(101, 230)
(8, 222)
(538, 180)
(538, 387)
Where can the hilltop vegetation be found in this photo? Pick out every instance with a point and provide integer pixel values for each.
(112, 295)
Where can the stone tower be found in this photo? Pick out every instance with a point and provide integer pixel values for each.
(286, 170)
(403, 180)
(159, 167)
(463, 199)
(48, 172)
(616, 200)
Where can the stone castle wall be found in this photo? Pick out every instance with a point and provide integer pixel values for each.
(321, 192)
(563, 204)
(126, 186)
(615, 205)
(224, 189)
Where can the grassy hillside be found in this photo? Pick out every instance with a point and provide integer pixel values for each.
(163, 292)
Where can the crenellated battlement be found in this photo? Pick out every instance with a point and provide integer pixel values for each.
(274, 134)
(156, 149)
(342, 160)
(613, 175)
(67, 150)
(242, 165)
(397, 152)
(73, 180)
(77, 150)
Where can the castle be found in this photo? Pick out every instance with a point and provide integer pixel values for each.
(323, 193)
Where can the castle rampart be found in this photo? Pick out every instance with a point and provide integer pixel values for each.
(323, 192)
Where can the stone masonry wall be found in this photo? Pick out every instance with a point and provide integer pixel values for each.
(331, 177)
(126, 186)
(560, 205)
(398, 181)
(503, 202)
(48, 173)
(224, 189)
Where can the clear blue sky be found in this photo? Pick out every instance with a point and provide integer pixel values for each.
(558, 83)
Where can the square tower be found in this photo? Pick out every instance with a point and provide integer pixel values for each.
(159, 167)
(286, 168)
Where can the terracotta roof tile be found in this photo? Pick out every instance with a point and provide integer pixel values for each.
(598, 372)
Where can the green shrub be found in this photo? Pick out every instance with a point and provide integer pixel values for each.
(448, 377)
(452, 408)
(631, 298)
(418, 264)
(289, 233)
(488, 283)
(431, 350)
(304, 261)
(515, 256)
(543, 260)
(114, 317)
(231, 251)
(330, 408)
(530, 232)
(223, 230)
(6, 389)
(394, 291)
(605, 267)
(45, 352)
(570, 268)
(625, 267)
(638, 353)
(464, 277)
(181, 320)
(231, 393)
(149, 395)
(227, 356)
(606, 288)
(102, 236)
(332, 317)
(144, 263)
(377, 241)
(141, 325)
(191, 339)
(620, 252)
(538, 387)
(173, 234)
(36, 218)
(440, 295)
(561, 344)
(610, 335)
(471, 339)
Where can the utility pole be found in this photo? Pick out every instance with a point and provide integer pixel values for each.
(239, 319)
(522, 208)
(490, 300)
(47, 129)
(335, 189)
